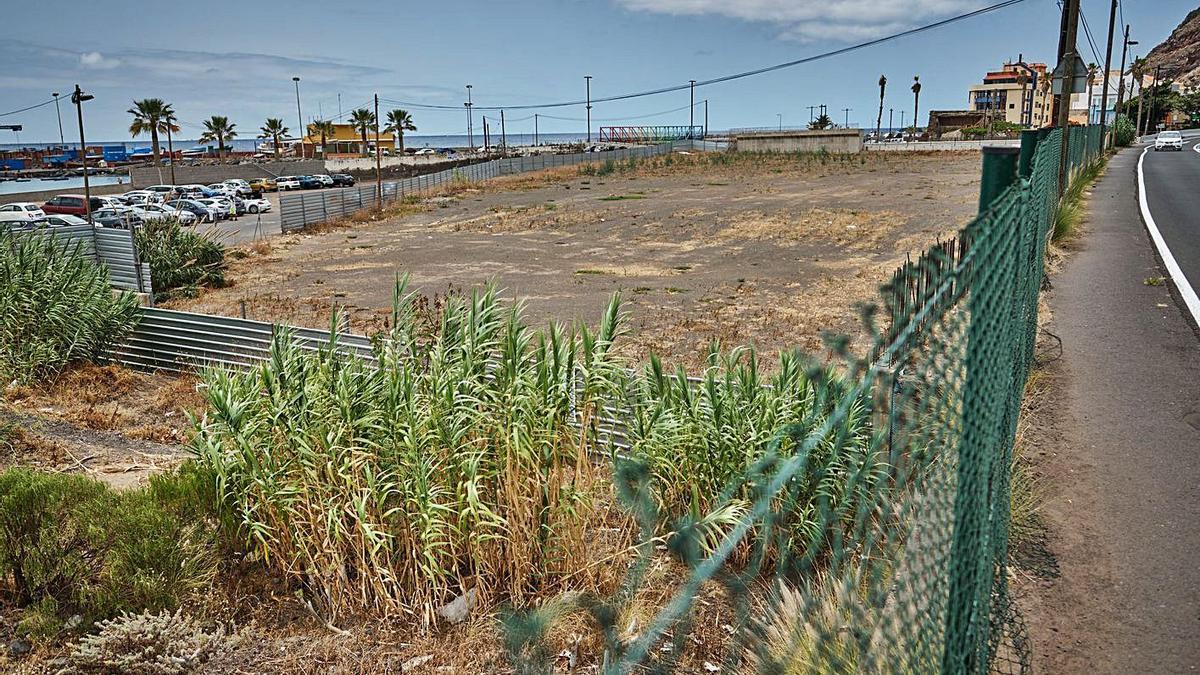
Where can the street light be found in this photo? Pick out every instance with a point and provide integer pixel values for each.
(588, 78)
(78, 97)
(61, 140)
(470, 122)
(299, 117)
(692, 109)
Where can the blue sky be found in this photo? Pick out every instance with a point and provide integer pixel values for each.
(237, 58)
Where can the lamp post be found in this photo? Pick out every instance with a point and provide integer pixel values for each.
(692, 108)
(1125, 44)
(847, 111)
(299, 117)
(890, 127)
(470, 122)
(78, 97)
(588, 79)
(61, 140)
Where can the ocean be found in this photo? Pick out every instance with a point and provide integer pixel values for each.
(252, 144)
(72, 184)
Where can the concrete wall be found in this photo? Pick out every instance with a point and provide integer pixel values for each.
(829, 140)
(919, 146)
(40, 197)
(215, 173)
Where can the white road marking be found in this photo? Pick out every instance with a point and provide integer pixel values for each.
(1190, 299)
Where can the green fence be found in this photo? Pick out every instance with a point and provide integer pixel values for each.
(873, 533)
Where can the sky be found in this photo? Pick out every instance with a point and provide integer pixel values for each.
(238, 59)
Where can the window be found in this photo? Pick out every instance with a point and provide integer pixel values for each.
(8, 207)
(1012, 105)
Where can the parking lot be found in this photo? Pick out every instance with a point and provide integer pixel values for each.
(250, 227)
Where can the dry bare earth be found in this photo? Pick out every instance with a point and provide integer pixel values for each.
(763, 250)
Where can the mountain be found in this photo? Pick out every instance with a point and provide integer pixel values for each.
(1179, 54)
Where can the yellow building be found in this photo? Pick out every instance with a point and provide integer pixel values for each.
(346, 140)
(1018, 93)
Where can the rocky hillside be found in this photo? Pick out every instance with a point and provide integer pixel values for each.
(1179, 54)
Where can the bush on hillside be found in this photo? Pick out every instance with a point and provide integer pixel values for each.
(181, 261)
(56, 306)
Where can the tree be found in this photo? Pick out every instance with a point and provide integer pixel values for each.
(273, 129)
(879, 120)
(219, 129)
(916, 90)
(822, 122)
(151, 115)
(363, 119)
(399, 121)
(1092, 71)
(1159, 101)
(324, 129)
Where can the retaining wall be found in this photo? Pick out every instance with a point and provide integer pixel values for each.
(42, 196)
(215, 173)
(845, 141)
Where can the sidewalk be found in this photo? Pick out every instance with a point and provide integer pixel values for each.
(1122, 464)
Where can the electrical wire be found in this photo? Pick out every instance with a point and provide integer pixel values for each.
(1088, 34)
(21, 110)
(727, 78)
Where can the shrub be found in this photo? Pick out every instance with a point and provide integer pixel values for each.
(56, 306)
(150, 643)
(1123, 131)
(75, 543)
(181, 261)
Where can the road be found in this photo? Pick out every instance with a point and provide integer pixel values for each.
(1121, 464)
(251, 226)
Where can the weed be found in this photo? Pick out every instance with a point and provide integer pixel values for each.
(181, 261)
(1154, 281)
(617, 198)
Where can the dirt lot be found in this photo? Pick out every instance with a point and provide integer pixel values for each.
(747, 249)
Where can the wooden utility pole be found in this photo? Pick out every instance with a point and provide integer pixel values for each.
(1150, 125)
(1121, 79)
(1066, 58)
(503, 137)
(378, 159)
(1112, 20)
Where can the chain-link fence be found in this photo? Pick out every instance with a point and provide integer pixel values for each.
(302, 209)
(871, 533)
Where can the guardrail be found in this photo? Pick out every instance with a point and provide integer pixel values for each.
(178, 342)
(111, 247)
(299, 210)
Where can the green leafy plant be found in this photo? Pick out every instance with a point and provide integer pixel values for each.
(181, 261)
(56, 306)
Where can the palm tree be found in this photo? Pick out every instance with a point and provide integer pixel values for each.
(273, 129)
(879, 120)
(324, 129)
(151, 115)
(916, 90)
(363, 119)
(399, 121)
(1092, 71)
(219, 129)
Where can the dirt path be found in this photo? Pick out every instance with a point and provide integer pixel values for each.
(1120, 460)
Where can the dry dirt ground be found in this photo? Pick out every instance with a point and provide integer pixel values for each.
(769, 251)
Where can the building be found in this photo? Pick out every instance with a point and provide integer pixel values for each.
(1018, 93)
(346, 140)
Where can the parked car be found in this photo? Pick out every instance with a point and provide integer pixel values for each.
(288, 182)
(241, 187)
(111, 217)
(258, 205)
(58, 220)
(151, 213)
(263, 185)
(310, 183)
(343, 180)
(325, 179)
(425, 151)
(73, 205)
(142, 197)
(194, 191)
(222, 189)
(1171, 140)
(161, 190)
(19, 212)
(218, 206)
(110, 201)
(202, 213)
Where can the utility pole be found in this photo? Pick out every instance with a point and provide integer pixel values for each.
(1150, 125)
(705, 119)
(890, 127)
(470, 121)
(902, 127)
(692, 108)
(339, 105)
(378, 159)
(847, 122)
(78, 98)
(299, 117)
(1066, 57)
(171, 151)
(1141, 97)
(1112, 20)
(811, 108)
(588, 79)
(503, 137)
(486, 140)
(1121, 80)
(535, 129)
(61, 141)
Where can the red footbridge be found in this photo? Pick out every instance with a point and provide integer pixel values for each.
(650, 134)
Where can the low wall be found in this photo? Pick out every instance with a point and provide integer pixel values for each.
(215, 173)
(918, 146)
(846, 141)
(42, 196)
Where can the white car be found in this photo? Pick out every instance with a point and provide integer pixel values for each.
(110, 202)
(223, 189)
(153, 213)
(288, 182)
(160, 190)
(1171, 140)
(60, 220)
(257, 205)
(141, 197)
(19, 212)
(239, 186)
(325, 179)
(425, 151)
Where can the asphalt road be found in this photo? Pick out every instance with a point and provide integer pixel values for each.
(1172, 190)
(249, 227)
(1122, 468)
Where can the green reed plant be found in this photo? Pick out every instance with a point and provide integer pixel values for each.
(181, 261)
(56, 306)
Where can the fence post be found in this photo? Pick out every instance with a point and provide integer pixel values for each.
(972, 563)
(1029, 142)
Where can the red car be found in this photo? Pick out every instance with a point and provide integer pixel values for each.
(71, 205)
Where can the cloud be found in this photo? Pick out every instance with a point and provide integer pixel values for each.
(833, 20)
(97, 60)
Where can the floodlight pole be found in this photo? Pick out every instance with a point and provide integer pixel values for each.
(78, 98)
(300, 118)
(470, 122)
(61, 141)
(588, 79)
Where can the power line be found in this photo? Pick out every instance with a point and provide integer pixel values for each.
(735, 76)
(1088, 34)
(21, 110)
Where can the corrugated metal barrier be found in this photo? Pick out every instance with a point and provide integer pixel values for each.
(111, 247)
